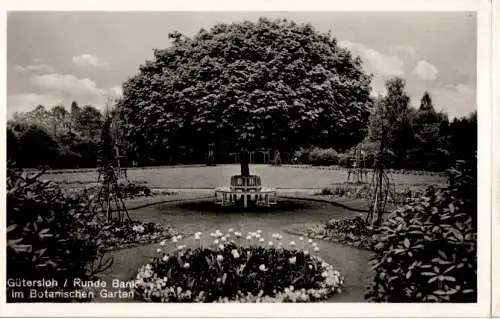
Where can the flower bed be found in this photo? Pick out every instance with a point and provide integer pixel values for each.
(129, 191)
(401, 194)
(353, 232)
(133, 233)
(230, 271)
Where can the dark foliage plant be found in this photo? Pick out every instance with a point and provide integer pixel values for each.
(427, 251)
(50, 235)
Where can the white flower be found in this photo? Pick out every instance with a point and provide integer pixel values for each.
(310, 267)
(212, 235)
(223, 239)
(309, 240)
(219, 258)
(316, 248)
(165, 258)
(158, 250)
(196, 237)
(179, 237)
(186, 265)
(235, 253)
(324, 274)
(306, 252)
(180, 247)
(259, 231)
(292, 243)
(262, 267)
(292, 288)
(261, 240)
(221, 247)
(231, 230)
(314, 244)
(216, 242)
(163, 242)
(249, 237)
(270, 243)
(174, 240)
(292, 260)
(237, 234)
(301, 238)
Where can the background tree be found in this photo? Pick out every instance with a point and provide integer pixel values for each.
(397, 114)
(75, 134)
(269, 84)
(430, 149)
(33, 146)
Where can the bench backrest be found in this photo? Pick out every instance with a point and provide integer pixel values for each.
(245, 181)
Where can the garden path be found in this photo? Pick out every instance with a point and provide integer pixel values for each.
(199, 215)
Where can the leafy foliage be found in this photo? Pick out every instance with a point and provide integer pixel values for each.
(49, 235)
(427, 251)
(271, 84)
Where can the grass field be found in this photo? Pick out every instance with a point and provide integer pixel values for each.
(210, 177)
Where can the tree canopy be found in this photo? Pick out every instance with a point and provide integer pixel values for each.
(265, 84)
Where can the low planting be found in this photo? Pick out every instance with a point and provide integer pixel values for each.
(353, 232)
(235, 269)
(118, 235)
(401, 194)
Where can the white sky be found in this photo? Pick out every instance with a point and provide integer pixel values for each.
(59, 57)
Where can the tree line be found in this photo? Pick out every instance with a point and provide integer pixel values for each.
(417, 138)
(55, 137)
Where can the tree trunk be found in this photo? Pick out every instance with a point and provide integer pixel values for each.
(244, 162)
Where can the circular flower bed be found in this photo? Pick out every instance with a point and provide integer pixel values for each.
(116, 235)
(231, 271)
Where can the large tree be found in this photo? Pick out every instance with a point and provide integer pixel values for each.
(268, 84)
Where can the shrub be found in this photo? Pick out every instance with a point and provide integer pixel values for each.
(230, 271)
(132, 190)
(49, 236)
(427, 251)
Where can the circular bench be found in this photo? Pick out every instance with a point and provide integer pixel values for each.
(246, 189)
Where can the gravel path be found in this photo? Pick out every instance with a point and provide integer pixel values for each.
(200, 215)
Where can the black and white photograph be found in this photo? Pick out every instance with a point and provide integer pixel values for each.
(326, 157)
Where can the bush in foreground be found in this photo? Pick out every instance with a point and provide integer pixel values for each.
(232, 272)
(49, 236)
(426, 252)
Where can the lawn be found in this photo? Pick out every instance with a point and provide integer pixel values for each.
(211, 177)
